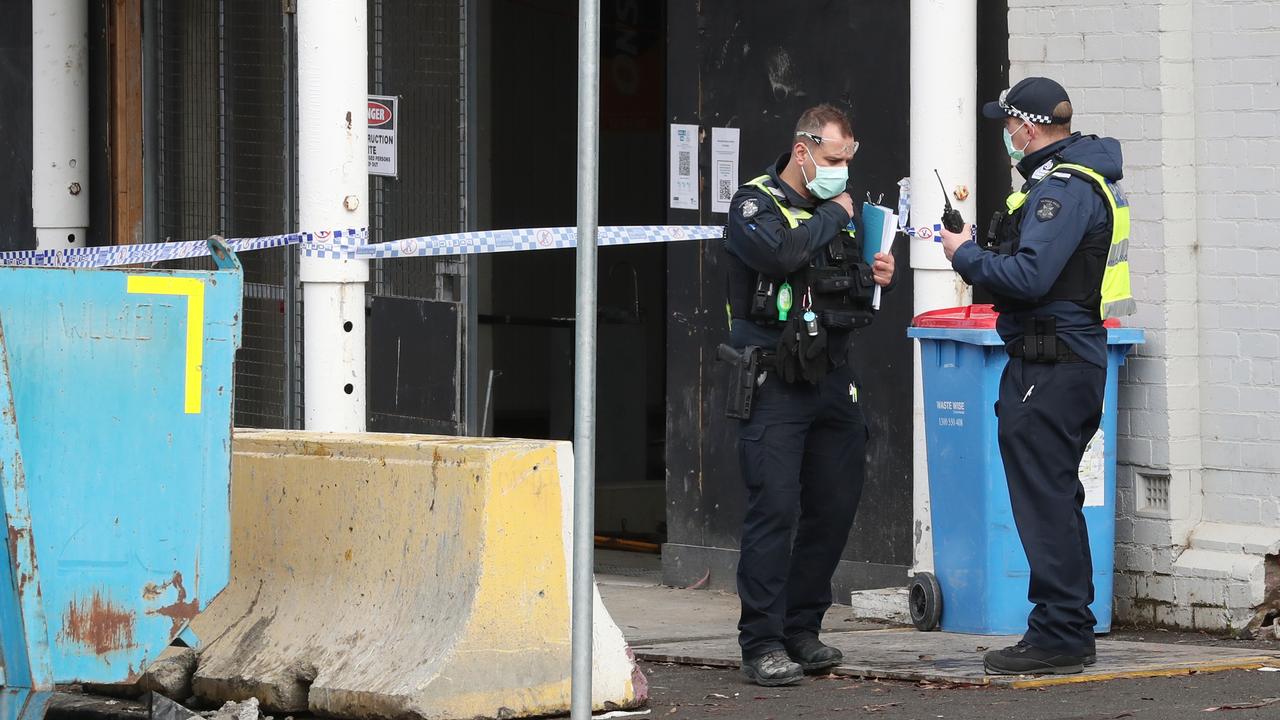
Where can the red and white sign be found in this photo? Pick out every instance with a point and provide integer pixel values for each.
(383, 111)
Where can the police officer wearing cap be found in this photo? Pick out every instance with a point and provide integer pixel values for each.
(1056, 262)
(797, 287)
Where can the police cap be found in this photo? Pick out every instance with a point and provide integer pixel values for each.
(1033, 99)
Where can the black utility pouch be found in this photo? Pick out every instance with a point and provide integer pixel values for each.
(864, 283)
(764, 301)
(1040, 339)
(992, 240)
(743, 368)
(830, 280)
(846, 319)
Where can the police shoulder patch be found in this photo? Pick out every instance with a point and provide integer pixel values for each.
(1047, 209)
(749, 207)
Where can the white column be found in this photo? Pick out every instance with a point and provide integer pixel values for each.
(60, 122)
(333, 189)
(943, 136)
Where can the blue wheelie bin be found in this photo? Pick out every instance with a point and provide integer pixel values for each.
(981, 572)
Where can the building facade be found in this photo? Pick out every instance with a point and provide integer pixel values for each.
(1190, 89)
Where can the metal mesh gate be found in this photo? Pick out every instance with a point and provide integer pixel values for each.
(225, 137)
(416, 53)
(225, 134)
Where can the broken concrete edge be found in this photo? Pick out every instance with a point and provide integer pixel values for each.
(1011, 681)
(841, 670)
(888, 605)
(1201, 669)
(169, 675)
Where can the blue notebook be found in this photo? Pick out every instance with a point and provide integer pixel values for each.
(876, 221)
(879, 226)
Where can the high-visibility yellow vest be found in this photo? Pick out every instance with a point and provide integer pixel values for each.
(1117, 292)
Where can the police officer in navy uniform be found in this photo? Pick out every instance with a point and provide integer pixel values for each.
(797, 288)
(1056, 261)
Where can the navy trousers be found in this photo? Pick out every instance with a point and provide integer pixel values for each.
(802, 456)
(1048, 413)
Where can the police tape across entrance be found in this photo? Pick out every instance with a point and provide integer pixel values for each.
(350, 244)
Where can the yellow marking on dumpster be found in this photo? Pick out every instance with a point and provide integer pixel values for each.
(193, 289)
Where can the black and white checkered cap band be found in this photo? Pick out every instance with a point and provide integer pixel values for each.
(1029, 117)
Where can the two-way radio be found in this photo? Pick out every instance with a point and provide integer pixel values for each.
(951, 219)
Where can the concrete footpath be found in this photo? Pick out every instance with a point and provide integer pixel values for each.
(698, 627)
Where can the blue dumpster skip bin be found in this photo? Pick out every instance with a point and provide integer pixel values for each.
(981, 569)
(115, 442)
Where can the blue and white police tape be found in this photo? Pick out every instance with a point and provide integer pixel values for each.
(351, 244)
(114, 255)
(495, 241)
(924, 232)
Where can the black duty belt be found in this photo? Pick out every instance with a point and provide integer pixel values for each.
(1046, 350)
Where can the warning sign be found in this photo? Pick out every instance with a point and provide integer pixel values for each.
(384, 114)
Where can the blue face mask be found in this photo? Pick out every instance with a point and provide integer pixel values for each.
(1015, 153)
(827, 182)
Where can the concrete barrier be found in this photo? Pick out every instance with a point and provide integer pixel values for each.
(393, 576)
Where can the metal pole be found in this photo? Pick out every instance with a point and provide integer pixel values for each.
(60, 123)
(944, 136)
(584, 416)
(150, 121)
(333, 193)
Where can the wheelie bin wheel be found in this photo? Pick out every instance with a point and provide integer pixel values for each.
(925, 601)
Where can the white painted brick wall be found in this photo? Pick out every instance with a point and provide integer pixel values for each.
(1191, 88)
(1237, 66)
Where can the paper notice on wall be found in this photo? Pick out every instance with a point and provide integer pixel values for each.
(684, 167)
(724, 160)
(1093, 471)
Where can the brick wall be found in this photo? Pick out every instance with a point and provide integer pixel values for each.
(1190, 89)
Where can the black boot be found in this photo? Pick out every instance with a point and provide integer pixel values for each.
(771, 669)
(1023, 659)
(812, 654)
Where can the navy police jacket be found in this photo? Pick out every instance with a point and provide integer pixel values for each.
(1072, 209)
(758, 236)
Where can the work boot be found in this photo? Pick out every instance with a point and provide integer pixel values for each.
(772, 669)
(1023, 659)
(812, 654)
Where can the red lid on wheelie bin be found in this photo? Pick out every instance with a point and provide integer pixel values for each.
(970, 317)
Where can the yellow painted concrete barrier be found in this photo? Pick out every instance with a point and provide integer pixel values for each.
(402, 576)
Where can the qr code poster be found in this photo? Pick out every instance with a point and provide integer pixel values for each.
(684, 167)
(724, 158)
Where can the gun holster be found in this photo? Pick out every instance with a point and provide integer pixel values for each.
(744, 367)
